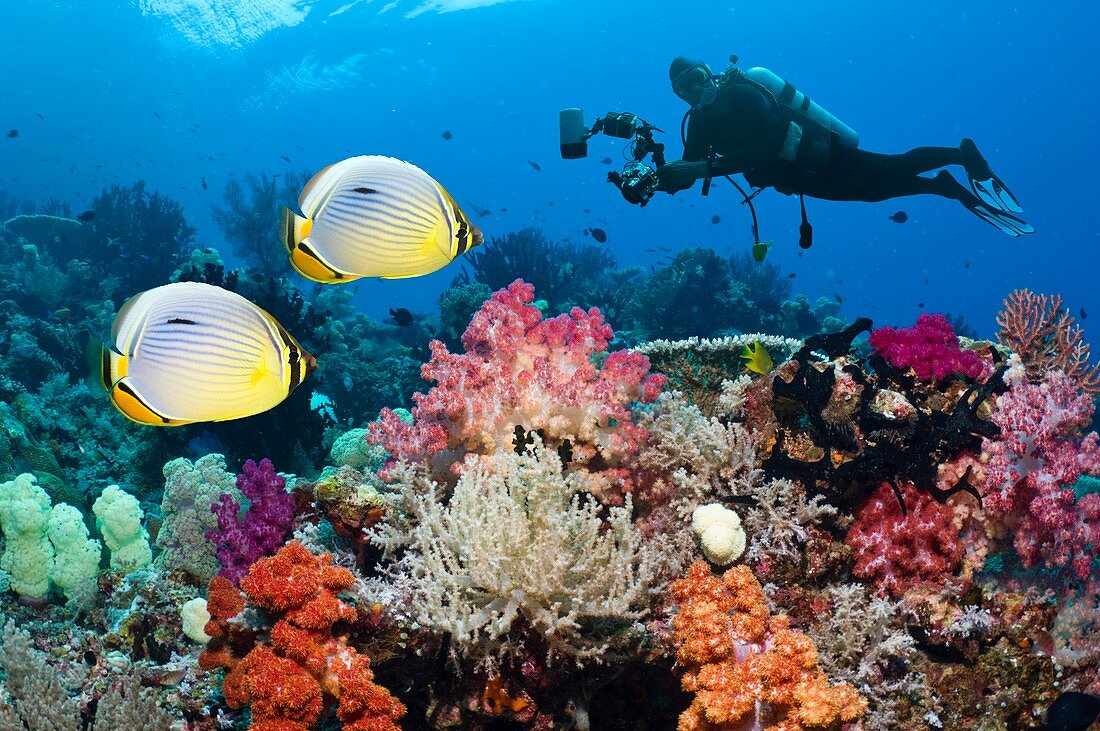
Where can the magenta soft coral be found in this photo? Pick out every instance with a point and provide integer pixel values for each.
(1031, 466)
(930, 348)
(522, 370)
(265, 525)
(896, 550)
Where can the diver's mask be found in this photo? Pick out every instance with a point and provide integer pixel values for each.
(697, 85)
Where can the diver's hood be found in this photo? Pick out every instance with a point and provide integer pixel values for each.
(681, 65)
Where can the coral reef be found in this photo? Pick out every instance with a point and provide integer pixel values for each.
(909, 528)
(249, 216)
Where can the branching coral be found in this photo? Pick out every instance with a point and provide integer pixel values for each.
(132, 224)
(862, 640)
(691, 459)
(1046, 336)
(749, 669)
(307, 665)
(518, 561)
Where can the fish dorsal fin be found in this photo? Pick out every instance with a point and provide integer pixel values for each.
(311, 187)
(123, 314)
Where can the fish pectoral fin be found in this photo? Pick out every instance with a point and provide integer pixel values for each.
(135, 408)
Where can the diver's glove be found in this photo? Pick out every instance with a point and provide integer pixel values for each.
(680, 175)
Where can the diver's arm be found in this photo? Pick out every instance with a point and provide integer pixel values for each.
(682, 174)
(724, 166)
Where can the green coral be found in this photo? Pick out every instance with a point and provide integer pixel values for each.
(189, 491)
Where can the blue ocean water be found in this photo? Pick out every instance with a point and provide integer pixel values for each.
(175, 93)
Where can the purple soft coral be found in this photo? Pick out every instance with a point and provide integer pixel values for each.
(264, 527)
(930, 348)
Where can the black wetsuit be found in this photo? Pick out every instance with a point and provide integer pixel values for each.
(745, 128)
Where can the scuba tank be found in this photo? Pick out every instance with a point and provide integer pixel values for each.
(794, 100)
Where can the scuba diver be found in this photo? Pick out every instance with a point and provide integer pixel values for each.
(754, 123)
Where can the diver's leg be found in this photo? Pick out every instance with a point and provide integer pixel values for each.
(859, 175)
(923, 160)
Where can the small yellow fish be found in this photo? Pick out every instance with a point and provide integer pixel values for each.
(757, 359)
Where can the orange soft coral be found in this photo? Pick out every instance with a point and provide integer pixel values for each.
(288, 681)
(746, 666)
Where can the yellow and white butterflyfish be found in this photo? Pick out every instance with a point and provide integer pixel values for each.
(189, 352)
(375, 216)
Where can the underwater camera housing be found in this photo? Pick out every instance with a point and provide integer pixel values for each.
(637, 181)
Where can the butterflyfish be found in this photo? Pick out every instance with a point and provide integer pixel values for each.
(374, 216)
(756, 358)
(190, 352)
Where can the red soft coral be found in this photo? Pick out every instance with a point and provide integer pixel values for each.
(1031, 466)
(520, 370)
(896, 550)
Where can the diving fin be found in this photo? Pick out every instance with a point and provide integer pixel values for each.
(1006, 222)
(989, 189)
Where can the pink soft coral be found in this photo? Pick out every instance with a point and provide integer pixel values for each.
(897, 550)
(520, 370)
(930, 348)
(1032, 465)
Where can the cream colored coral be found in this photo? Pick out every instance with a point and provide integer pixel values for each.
(720, 533)
(517, 545)
(194, 616)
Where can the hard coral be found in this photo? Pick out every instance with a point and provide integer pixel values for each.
(289, 682)
(895, 548)
(749, 669)
(930, 348)
(520, 371)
